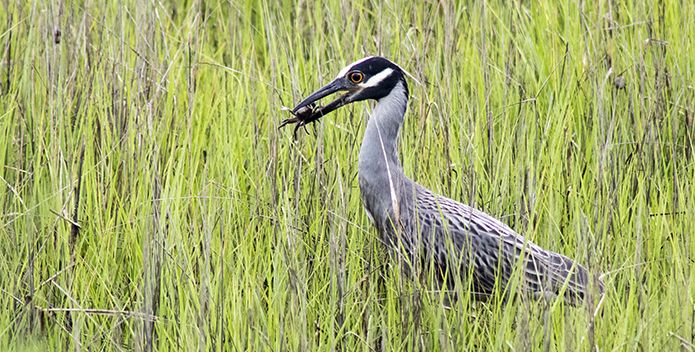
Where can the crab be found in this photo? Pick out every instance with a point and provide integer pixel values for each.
(302, 117)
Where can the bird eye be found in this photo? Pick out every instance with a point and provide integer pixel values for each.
(355, 76)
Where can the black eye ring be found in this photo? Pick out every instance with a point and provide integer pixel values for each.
(355, 76)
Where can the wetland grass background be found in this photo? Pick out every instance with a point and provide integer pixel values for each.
(148, 200)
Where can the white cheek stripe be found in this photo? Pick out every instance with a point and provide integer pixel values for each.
(377, 78)
(347, 68)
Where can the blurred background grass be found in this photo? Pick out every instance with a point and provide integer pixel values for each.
(150, 202)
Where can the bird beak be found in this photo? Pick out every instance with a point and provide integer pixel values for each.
(338, 85)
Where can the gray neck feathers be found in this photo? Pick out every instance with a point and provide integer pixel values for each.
(381, 177)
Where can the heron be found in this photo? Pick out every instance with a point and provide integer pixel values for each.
(460, 243)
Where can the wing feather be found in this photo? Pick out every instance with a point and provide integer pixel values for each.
(470, 241)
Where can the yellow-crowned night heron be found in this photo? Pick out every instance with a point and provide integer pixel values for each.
(451, 237)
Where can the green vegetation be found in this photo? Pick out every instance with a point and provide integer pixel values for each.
(148, 199)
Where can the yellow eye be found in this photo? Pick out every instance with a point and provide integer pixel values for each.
(355, 76)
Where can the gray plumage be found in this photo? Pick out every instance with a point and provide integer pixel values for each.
(430, 230)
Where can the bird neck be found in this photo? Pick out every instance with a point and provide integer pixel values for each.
(379, 150)
(380, 171)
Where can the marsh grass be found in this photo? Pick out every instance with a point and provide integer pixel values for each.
(150, 202)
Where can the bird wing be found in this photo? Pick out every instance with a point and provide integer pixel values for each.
(463, 238)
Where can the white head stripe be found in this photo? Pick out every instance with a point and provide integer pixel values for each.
(347, 68)
(377, 78)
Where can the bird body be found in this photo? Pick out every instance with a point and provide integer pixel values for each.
(460, 242)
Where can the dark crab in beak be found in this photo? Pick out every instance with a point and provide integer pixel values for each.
(307, 111)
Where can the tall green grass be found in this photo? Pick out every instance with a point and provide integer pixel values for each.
(150, 202)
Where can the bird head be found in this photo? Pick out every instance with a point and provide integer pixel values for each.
(372, 77)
